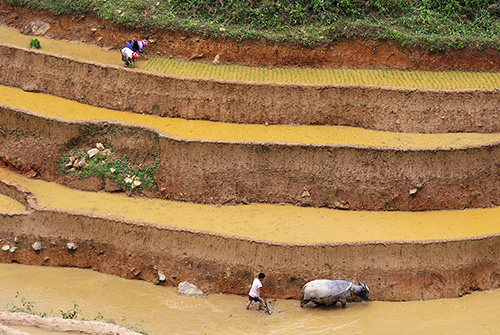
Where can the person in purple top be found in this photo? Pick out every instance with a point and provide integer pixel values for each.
(137, 46)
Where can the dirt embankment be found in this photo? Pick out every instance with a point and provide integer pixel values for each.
(343, 53)
(220, 263)
(203, 171)
(389, 109)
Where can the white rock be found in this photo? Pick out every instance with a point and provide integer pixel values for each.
(92, 152)
(186, 288)
(71, 246)
(6, 247)
(99, 146)
(161, 277)
(12, 249)
(37, 246)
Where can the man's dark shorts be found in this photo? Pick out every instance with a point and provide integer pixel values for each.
(253, 299)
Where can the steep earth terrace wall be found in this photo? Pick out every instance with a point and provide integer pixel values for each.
(222, 263)
(241, 172)
(391, 109)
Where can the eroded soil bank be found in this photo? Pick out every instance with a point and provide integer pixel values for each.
(222, 263)
(229, 172)
(344, 53)
(380, 108)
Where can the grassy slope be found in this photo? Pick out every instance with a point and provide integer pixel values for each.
(432, 24)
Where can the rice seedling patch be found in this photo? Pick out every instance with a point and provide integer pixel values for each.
(378, 77)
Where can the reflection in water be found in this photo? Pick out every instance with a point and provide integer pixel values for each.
(161, 311)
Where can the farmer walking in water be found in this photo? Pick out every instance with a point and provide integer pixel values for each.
(254, 294)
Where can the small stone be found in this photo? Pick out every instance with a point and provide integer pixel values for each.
(161, 277)
(217, 59)
(46, 258)
(12, 249)
(413, 191)
(37, 246)
(71, 246)
(306, 194)
(128, 180)
(112, 170)
(92, 152)
(99, 146)
(136, 183)
(82, 163)
(6, 247)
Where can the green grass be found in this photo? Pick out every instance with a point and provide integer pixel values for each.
(379, 77)
(432, 24)
(106, 164)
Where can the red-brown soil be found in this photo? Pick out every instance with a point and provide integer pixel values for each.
(344, 53)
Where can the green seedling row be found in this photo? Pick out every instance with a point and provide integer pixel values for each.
(379, 77)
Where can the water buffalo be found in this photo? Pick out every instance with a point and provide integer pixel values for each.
(328, 292)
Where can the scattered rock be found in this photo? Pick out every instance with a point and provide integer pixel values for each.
(188, 289)
(341, 204)
(161, 277)
(82, 163)
(37, 246)
(106, 152)
(99, 146)
(217, 59)
(6, 247)
(12, 249)
(31, 87)
(92, 152)
(196, 56)
(136, 183)
(413, 191)
(71, 246)
(36, 28)
(306, 193)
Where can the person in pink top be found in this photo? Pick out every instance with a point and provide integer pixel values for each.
(254, 294)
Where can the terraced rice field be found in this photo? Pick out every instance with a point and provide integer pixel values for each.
(379, 77)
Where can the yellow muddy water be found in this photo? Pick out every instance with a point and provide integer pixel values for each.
(160, 310)
(219, 131)
(269, 222)
(10, 205)
(66, 48)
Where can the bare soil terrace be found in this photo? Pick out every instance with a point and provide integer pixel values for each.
(413, 277)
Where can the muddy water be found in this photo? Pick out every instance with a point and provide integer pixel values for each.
(10, 205)
(269, 222)
(194, 129)
(159, 310)
(71, 49)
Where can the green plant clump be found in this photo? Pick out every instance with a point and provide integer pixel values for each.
(35, 44)
(433, 24)
(105, 164)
